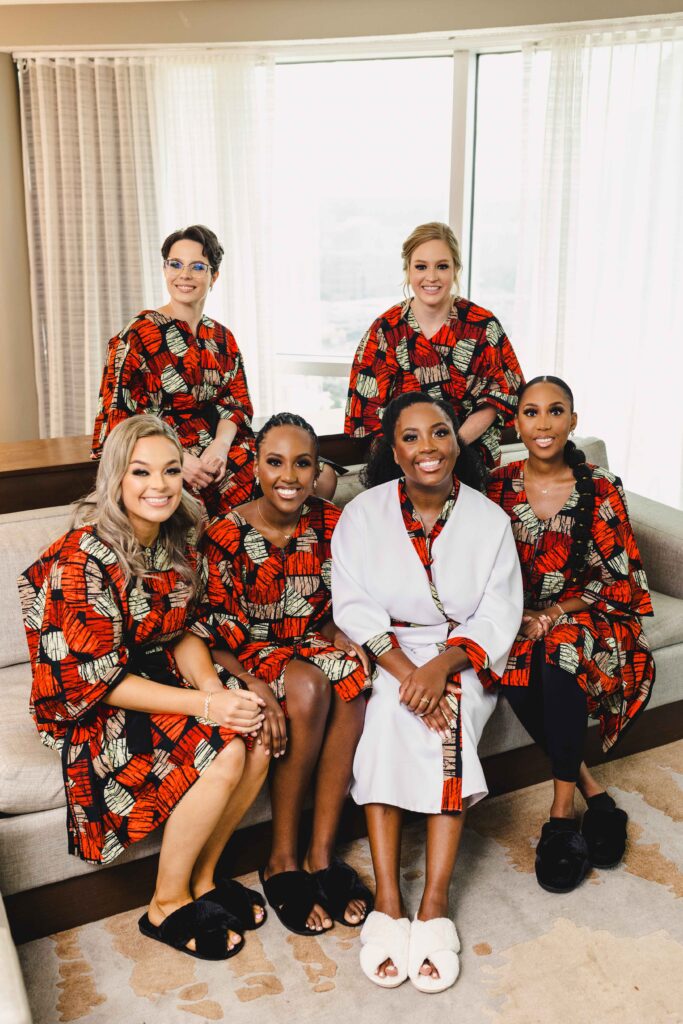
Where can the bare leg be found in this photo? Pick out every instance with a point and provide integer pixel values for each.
(332, 785)
(444, 832)
(588, 785)
(308, 702)
(563, 800)
(384, 833)
(188, 829)
(253, 777)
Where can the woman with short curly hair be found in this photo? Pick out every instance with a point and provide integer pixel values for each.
(180, 365)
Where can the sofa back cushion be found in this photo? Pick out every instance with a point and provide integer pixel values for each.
(23, 537)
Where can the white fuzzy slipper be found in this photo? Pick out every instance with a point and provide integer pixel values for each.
(383, 937)
(438, 942)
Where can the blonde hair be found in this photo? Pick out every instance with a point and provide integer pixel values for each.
(434, 231)
(103, 508)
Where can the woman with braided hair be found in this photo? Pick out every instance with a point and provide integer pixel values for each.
(581, 651)
(268, 616)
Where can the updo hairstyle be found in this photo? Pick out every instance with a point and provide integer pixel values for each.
(287, 419)
(434, 231)
(381, 465)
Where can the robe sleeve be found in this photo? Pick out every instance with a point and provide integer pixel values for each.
(81, 653)
(616, 582)
(124, 390)
(497, 375)
(356, 612)
(370, 385)
(233, 401)
(222, 617)
(487, 635)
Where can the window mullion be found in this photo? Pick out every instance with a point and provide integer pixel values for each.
(462, 154)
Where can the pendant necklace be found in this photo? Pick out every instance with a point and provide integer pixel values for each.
(287, 536)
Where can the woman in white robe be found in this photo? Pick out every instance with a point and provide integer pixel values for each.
(426, 576)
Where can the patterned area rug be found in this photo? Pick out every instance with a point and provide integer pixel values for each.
(612, 951)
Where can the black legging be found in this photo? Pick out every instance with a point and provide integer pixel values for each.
(554, 711)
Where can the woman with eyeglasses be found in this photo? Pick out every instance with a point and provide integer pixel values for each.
(176, 363)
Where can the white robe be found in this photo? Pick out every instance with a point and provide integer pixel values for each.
(377, 576)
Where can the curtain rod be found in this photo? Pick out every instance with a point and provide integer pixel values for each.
(427, 44)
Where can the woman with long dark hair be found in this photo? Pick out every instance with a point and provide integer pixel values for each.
(426, 577)
(582, 651)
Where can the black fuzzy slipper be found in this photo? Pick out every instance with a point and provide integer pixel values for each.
(292, 895)
(340, 884)
(604, 829)
(205, 922)
(238, 900)
(562, 860)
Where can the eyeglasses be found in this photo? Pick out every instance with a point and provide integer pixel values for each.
(197, 269)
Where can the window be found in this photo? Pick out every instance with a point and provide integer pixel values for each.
(496, 188)
(362, 155)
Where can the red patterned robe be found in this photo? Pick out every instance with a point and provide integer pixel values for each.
(124, 772)
(605, 646)
(469, 362)
(156, 365)
(267, 604)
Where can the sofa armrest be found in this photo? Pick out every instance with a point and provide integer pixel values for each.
(659, 532)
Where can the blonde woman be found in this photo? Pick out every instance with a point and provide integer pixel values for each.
(439, 343)
(132, 701)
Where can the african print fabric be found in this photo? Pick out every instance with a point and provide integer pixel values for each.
(469, 362)
(267, 604)
(124, 772)
(157, 366)
(605, 646)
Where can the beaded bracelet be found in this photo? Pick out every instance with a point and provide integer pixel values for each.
(558, 605)
(207, 706)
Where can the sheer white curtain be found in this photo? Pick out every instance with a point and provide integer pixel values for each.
(118, 152)
(600, 259)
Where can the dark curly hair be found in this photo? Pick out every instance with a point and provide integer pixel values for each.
(381, 465)
(287, 419)
(211, 247)
(576, 460)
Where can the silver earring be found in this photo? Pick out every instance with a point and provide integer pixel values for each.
(518, 435)
(571, 433)
(315, 484)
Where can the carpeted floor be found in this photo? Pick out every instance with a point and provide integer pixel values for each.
(611, 952)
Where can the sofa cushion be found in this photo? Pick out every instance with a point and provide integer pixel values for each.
(23, 536)
(666, 627)
(30, 773)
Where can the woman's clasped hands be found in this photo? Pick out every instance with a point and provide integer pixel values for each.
(424, 692)
(536, 625)
(239, 710)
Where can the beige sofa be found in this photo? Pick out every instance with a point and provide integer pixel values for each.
(33, 848)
